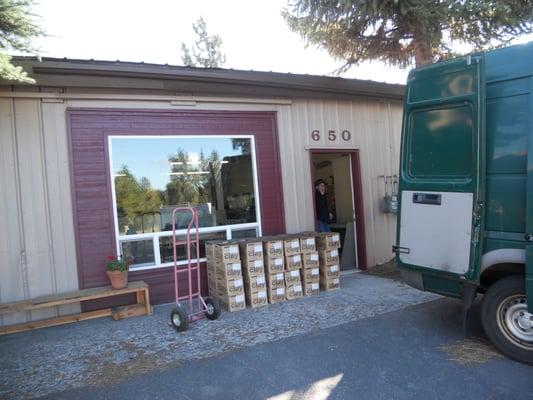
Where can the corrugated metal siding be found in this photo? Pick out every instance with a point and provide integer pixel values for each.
(375, 127)
(35, 194)
(36, 236)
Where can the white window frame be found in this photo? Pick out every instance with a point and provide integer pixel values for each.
(155, 236)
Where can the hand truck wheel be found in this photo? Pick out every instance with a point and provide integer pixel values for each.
(212, 311)
(179, 319)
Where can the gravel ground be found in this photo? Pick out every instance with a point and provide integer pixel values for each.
(103, 352)
(388, 270)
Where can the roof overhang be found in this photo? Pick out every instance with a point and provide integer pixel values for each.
(66, 73)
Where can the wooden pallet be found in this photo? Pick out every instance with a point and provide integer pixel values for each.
(142, 307)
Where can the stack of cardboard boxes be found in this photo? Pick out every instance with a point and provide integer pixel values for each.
(274, 269)
(293, 265)
(328, 250)
(224, 274)
(253, 268)
(266, 270)
(310, 264)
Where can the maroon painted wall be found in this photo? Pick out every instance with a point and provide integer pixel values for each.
(91, 181)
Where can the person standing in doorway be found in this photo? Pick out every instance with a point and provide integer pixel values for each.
(323, 216)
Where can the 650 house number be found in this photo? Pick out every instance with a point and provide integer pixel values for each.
(332, 135)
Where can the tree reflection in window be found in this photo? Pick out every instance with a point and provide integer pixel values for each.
(219, 182)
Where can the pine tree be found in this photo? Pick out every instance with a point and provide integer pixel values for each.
(399, 32)
(17, 29)
(206, 51)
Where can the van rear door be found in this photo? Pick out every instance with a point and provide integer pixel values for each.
(441, 188)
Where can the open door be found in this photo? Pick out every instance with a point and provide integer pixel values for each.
(442, 164)
(339, 169)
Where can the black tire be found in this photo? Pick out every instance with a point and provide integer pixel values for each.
(505, 318)
(213, 308)
(179, 319)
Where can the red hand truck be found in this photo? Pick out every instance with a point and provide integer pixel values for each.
(197, 305)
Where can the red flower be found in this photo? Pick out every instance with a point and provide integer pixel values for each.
(111, 258)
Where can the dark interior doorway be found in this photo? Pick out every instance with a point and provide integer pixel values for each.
(340, 170)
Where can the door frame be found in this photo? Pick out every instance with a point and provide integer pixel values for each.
(357, 193)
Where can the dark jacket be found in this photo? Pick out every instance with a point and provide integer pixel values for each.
(322, 210)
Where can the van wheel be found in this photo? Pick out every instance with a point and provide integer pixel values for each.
(505, 318)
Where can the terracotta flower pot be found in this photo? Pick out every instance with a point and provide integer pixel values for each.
(119, 279)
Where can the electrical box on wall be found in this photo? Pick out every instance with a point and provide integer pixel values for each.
(389, 202)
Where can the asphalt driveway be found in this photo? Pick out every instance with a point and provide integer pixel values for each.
(415, 353)
(375, 338)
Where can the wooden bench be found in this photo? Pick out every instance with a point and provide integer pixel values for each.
(142, 307)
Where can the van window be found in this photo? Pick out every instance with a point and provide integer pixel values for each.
(440, 142)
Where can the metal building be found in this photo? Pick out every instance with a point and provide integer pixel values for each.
(72, 146)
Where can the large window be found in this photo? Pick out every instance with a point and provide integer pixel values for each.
(151, 175)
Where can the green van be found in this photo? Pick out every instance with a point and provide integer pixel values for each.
(465, 217)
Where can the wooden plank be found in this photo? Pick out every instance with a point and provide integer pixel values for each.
(71, 297)
(140, 297)
(142, 307)
(28, 326)
(149, 308)
(129, 311)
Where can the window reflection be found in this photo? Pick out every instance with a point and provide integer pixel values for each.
(167, 254)
(156, 174)
(441, 142)
(141, 252)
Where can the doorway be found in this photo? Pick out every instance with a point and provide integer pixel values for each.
(341, 171)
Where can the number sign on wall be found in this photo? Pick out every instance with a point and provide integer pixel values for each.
(331, 135)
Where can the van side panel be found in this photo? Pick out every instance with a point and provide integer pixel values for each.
(508, 131)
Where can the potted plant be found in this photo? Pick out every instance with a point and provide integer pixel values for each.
(117, 271)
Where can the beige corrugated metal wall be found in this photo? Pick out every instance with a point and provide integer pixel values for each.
(37, 249)
(375, 128)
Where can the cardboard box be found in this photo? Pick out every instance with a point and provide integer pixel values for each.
(257, 299)
(293, 262)
(253, 267)
(328, 257)
(251, 249)
(291, 245)
(228, 271)
(272, 247)
(273, 265)
(212, 287)
(230, 287)
(276, 280)
(328, 241)
(311, 288)
(329, 284)
(292, 277)
(233, 303)
(226, 252)
(294, 291)
(307, 242)
(276, 295)
(330, 271)
(210, 248)
(310, 260)
(310, 274)
(255, 283)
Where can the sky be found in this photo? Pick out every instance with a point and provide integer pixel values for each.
(254, 35)
(149, 158)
